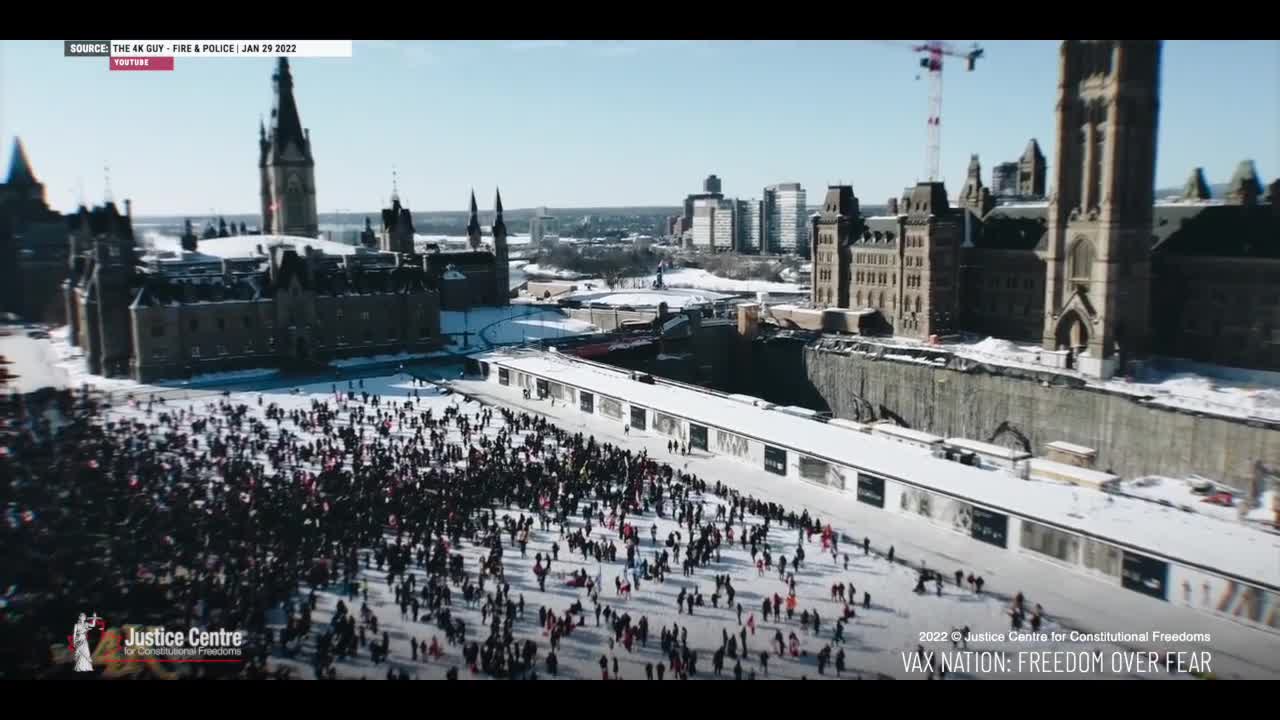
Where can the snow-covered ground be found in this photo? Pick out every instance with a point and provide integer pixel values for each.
(1070, 600)
(543, 272)
(876, 638)
(675, 298)
(1198, 387)
(32, 361)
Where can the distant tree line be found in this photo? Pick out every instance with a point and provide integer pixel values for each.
(609, 264)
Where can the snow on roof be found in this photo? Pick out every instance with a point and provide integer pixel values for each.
(1210, 544)
(1093, 477)
(982, 448)
(242, 246)
(1072, 448)
(849, 425)
(889, 428)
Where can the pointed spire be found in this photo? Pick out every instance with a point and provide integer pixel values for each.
(395, 188)
(1033, 151)
(499, 226)
(106, 184)
(262, 128)
(19, 167)
(286, 125)
(1196, 187)
(473, 224)
(1245, 186)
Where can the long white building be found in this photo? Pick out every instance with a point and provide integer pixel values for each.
(1165, 554)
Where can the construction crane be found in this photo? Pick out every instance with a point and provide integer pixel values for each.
(934, 51)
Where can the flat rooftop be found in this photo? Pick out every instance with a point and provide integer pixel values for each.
(1189, 539)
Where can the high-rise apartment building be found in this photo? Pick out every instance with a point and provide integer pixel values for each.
(725, 226)
(748, 229)
(786, 222)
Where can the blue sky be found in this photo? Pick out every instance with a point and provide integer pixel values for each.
(578, 124)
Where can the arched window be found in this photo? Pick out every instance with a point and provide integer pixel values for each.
(1081, 260)
(859, 299)
(917, 303)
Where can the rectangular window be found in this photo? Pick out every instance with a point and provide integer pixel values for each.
(775, 460)
(157, 330)
(339, 314)
(611, 408)
(586, 402)
(222, 350)
(638, 415)
(364, 316)
(504, 376)
(194, 324)
(697, 436)
(222, 324)
(666, 424)
(195, 351)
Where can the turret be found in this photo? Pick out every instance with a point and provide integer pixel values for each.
(1245, 186)
(473, 224)
(1196, 188)
(501, 267)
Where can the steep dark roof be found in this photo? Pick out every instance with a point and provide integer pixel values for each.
(1244, 186)
(1218, 231)
(19, 167)
(1032, 153)
(1010, 228)
(1196, 188)
(879, 232)
(286, 125)
(473, 223)
(166, 290)
(102, 220)
(499, 225)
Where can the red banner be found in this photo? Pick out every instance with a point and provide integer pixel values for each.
(141, 63)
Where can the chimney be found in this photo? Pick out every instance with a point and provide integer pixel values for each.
(128, 208)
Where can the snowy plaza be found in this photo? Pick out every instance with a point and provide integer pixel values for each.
(890, 623)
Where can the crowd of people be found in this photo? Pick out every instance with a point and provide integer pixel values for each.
(234, 512)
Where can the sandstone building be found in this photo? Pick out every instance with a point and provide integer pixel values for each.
(1100, 273)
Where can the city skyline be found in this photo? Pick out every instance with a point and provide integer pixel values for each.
(434, 111)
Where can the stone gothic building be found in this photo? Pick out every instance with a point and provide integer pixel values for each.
(33, 245)
(220, 303)
(1098, 275)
